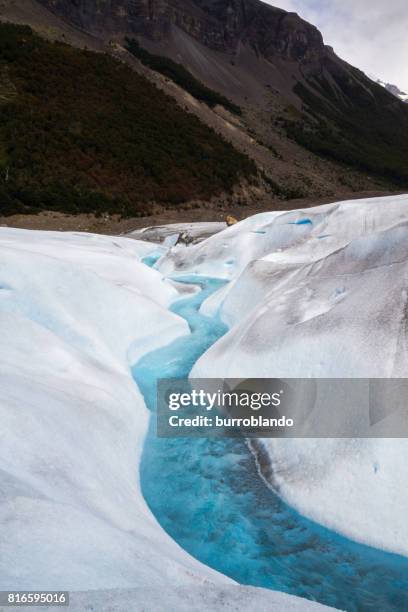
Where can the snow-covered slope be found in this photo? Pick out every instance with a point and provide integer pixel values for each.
(319, 293)
(391, 88)
(75, 312)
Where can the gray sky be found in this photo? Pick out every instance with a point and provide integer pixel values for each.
(370, 34)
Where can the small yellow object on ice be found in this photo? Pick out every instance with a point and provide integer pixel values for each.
(230, 220)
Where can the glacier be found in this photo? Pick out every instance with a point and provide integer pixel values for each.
(318, 293)
(76, 310)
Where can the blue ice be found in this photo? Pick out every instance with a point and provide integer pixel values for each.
(152, 258)
(207, 494)
(301, 222)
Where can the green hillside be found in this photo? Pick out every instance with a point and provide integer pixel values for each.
(82, 132)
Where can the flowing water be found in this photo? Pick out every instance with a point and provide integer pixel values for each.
(207, 494)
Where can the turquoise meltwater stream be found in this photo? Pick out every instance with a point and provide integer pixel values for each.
(207, 494)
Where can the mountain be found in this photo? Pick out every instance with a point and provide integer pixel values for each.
(237, 46)
(82, 132)
(265, 58)
(260, 78)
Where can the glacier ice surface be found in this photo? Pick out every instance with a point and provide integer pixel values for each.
(299, 306)
(76, 310)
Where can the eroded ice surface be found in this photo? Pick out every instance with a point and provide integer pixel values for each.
(311, 293)
(72, 420)
(75, 311)
(302, 306)
(209, 497)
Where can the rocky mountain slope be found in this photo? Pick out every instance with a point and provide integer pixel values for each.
(254, 53)
(82, 132)
(315, 126)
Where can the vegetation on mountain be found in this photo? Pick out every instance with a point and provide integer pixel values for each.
(82, 132)
(263, 55)
(181, 76)
(362, 126)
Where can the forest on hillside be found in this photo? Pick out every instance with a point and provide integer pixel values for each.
(82, 132)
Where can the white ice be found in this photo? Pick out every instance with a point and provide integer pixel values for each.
(203, 598)
(75, 311)
(319, 293)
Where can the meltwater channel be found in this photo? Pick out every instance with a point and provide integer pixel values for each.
(208, 495)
